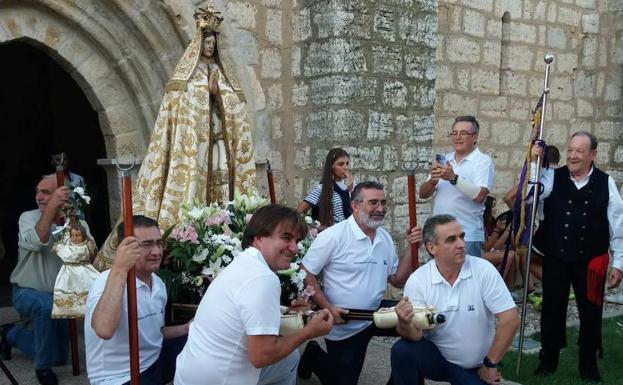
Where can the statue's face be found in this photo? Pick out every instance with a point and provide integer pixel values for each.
(76, 236)
(209, 44)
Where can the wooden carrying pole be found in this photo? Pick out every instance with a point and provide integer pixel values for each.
(415, 262)
(73, 329)
(128, 231)
(271, 183)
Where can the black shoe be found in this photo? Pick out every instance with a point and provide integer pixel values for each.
(5, 347)
(46, 377)
(589, 371)
(548, 362)
(304, 369)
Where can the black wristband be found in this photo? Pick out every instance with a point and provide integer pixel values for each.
(454, 180)
(488, 363)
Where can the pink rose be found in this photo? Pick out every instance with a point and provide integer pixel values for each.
(218, 219)
(308, 292)
(185, 233)
(313, 232)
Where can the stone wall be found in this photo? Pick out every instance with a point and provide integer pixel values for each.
(490, 64)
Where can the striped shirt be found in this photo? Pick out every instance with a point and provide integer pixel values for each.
(338, 211)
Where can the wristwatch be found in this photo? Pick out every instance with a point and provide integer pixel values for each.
(453, 180)
(488, 363)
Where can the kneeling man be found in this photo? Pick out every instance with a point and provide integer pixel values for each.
(106, 321)
(481, 318)
(234, 338)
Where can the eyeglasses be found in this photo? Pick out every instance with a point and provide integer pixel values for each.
(147, 245)
(374, 202)
(462, 134)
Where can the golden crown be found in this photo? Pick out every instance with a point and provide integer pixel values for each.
(208, 18)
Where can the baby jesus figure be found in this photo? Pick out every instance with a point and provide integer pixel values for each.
(76, 275)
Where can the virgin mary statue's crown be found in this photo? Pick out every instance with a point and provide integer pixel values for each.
(208, 18)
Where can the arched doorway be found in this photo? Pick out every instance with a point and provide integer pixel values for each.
(43, 111)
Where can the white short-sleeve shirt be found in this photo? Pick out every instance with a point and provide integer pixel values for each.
(354, 270)
(478, 169)
(107, 360)
(242, 301)
(469, 305)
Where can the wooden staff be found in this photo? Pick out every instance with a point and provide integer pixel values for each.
(271, 183)
(415, 260)
(128, 231)
(73, 329)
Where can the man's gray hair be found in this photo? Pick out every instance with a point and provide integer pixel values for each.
(428, 232)
(590, 136)
(355, 196)
(469, 119)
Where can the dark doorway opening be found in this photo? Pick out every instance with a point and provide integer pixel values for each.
(43, 111)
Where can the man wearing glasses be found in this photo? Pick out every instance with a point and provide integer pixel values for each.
(356, 258)
(106, 319)
(462, 179)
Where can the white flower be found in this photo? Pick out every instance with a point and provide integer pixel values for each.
(79, 190)
(198, 281)
(308, 220)
(199, 258)
(213, 269)
(196, 213)
(87, 199)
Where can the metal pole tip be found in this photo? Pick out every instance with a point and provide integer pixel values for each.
(548, 58)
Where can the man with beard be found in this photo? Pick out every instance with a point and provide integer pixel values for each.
(356, 258)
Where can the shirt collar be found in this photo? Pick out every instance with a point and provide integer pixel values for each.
(466, 272)
(475, 152)
(255, 253)
(584, 179)
(354, 227)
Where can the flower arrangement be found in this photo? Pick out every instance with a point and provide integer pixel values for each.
(208, 239)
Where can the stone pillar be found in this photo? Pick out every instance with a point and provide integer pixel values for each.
(364, 79)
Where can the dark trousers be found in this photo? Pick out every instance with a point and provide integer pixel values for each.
(412, 360)
(557, 278)
(163, 370)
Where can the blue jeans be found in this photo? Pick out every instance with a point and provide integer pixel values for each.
(47, 341)
(412, 360)
(474, 248)
(163, 370)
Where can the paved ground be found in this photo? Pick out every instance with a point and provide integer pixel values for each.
(376, 368)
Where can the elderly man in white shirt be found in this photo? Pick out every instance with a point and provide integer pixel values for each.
(583, 221)
(481, 318)
(462, 180)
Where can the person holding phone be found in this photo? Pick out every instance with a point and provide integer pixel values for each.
(462, 179)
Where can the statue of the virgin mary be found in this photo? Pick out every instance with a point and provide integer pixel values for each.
(201, 147)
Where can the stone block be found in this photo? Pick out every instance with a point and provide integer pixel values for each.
(491, 52)
(300, 94)
(513, 83)
(459, 104)
(415, 128)
(273, 26)
(418, 28)
(552, 12)
(534, 9)
(343, 89)
(276, 131)
(366, 158)
(584, 84)
(423, 95)
(589, 4)
(614, 87)
(618, 155)
(335, 56)
(420, 64)
(386, 60)
(566, 62)
(485, 81)
(556, 37)
(336, 18)
(590, 51)
(390, 158)
(380, 125)
(462, 50)
(494, 29)
(445, 78)
(297, 127)
(271, 63)
(247, 49)
(590, 23)
(584, 108)
(385, 22)
(616, 44)
(505, 133)
(523, 33)
(301, 158)
(609, 130)
(569, 16)
(275, 97)
(395, 94)
(473, 23)
(493, 106)
(463, 76)
(513, 7)
(483, 5)
(415, 157)
(301, 25)
(562, 110)
(603, 153)
(241, 14)
(561, 87)
(296, 62)
(338, 124)
(520, 108)
(520, 58)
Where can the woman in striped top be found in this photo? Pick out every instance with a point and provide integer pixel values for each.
(330, 200)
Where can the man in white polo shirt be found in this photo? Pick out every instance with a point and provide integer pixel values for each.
(106, 319)
(462, 179)
(481, 318)
(356, 258)
(234, 338)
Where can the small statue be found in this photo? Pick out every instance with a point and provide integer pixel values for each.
(76, 275)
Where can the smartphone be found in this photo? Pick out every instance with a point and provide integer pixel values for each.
(441, 159)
